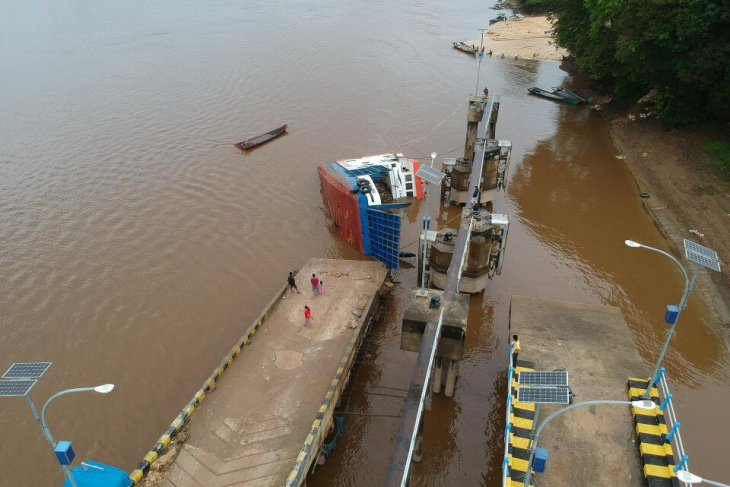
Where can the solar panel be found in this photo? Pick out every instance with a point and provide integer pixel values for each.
(27, 370)
(701, 255)
(540, 378)
(430, 174)
(16, 388)
(544, 395)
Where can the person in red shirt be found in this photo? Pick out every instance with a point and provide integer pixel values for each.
(307, 317)
(315, 284)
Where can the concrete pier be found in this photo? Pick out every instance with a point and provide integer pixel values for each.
(264, 424)
(595, 445)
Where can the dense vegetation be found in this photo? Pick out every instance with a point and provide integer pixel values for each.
(679, 47)
(719, 158)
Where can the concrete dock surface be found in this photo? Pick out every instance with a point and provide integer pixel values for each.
(250, 431)
(595, 445)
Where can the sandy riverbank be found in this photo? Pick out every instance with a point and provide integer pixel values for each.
(686, 200)
(527, 38)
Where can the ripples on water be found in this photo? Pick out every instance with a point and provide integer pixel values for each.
(137, 243)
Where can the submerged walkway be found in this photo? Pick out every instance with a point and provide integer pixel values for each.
(250, 431)
(594, 445)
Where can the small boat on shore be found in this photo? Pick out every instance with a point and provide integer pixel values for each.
(261, 139)
(501, 17)
(569, 94)
(554, 96)
(464, 47)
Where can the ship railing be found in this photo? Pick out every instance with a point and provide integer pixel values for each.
(507, 426)
(673, 425)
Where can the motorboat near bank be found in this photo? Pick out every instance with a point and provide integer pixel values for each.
(558, 94)
(464, 47)
(365, 198)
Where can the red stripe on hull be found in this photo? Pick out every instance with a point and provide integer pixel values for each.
(419, 182)
(343, 206)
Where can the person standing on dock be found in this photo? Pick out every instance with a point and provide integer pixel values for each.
(514, 343)
(315, 284)
(307, 317)
(292, 283)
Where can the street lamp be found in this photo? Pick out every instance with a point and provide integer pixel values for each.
(480, 54)
(426, 225)
(102, 389)
(697, 254)
(18, 381)
(691, 478)
(641, 404)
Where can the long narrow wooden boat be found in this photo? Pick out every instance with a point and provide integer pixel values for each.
(261, 139)
(569, 94)
(551, 95)
(501, 17)
(464, 47)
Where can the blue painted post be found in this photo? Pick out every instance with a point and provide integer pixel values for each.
(507, 430)
(681, 464)
(659, 376)
(663, 406)
(675, 428)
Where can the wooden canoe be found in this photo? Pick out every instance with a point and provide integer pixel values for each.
(261, 139)
(551, 95)
(565, 93)
(464, 47)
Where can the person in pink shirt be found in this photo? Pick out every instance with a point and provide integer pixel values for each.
(315, 284)
(307, 317)
(320, 288)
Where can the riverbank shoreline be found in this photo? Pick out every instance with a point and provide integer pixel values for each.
(684, 200)
(526, 38)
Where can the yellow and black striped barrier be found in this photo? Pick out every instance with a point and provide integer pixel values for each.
(521, 426)
(209, 386)
(655, 447)
(323, 419)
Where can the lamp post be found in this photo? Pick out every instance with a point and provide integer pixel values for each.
(102, 389)
(479, 60)
(426, 225)
(642, 404)
(691, 478)
(688, 286)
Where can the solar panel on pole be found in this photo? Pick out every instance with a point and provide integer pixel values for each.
(16, 388)
(543, 378)
(699, 254)
(27, 370)
(430, 174)
(544, 395)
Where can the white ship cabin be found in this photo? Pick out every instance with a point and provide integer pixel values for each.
(384, 186)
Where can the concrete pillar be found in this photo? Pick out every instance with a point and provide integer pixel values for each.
(418, 447)
(473, 116)
(451, 373)
(437, 376)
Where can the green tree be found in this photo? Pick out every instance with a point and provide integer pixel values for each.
(679, 47)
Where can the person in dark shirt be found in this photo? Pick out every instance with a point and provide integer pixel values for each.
(292, 283)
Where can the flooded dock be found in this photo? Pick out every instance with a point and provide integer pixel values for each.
(593, 344)
(272, 409)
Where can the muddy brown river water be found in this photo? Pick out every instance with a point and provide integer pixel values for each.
(136, 243)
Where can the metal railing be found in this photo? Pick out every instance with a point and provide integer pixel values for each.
(673, 425)
(507, 424)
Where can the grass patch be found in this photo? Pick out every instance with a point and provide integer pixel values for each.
(719, 153)
(708, 189)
